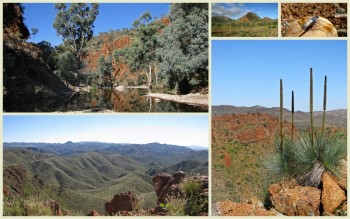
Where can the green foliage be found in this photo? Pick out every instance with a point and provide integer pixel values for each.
(195, 203)
(75, 24)
(105, 69)
(68, 66)
(191, 188)
(175, 206)
(141, 54)
(305, 161)
(183, 50)
(34, 31)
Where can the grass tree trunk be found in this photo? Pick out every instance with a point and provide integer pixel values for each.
(292, 115)
(281, 114)
(324, 102)
(311, 108)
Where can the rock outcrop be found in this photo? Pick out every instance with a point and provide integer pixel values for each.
(332, 194)
(13, 21)
(121, 202)
(252, 207)
(295, 200)
(94, 213)
(165, 184)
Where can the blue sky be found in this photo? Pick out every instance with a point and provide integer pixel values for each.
(247, 72)
(182, 130)
(111, 16)
(237, 10)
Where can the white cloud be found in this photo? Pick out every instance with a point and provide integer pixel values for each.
(230, 11)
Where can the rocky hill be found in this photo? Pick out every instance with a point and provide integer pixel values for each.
(334, 118)
(249, 17)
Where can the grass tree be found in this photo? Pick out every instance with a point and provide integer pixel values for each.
(308, 155)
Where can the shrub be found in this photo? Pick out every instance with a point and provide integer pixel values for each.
(68, 66)
(195, 203)
(191, 188)
(175, 206)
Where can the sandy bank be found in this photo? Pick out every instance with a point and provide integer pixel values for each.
(195, 99)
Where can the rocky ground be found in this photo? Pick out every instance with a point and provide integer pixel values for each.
(334, 12)
(291, 199)
(195, 99)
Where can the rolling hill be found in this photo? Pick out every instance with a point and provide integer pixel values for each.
(96, 170)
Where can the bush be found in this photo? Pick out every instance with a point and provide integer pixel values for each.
(68, 66)
(306, 162)
(175, 206)
(195, 203)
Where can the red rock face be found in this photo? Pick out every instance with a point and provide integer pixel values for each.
(121, 202)
(163, 185)
(13, 21)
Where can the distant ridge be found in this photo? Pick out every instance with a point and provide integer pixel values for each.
(336, 118)
(220, 19)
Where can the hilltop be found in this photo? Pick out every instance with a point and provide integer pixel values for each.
(249, 17)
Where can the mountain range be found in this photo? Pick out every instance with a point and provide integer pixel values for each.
(247, 18)
(96, 171)
(335, 118)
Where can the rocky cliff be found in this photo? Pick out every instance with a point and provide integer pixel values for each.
(26, 73)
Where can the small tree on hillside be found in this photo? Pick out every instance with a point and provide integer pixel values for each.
(141, 54)
(75, 24)
(105, 69)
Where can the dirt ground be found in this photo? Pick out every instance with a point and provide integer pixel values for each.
(291, 12)
(198, 99)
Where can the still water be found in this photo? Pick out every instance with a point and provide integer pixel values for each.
(128, 100)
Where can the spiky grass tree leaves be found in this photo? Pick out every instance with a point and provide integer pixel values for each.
(75, 24)
(183, 51)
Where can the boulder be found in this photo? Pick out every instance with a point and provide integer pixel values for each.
(293, 200)
(322, 28)
(342, 176)
(332, 193)
(121, 202)
(94, 213)
(252, 207)
(163, 185)
(160, 181)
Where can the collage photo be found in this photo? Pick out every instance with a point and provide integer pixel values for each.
(174, 108)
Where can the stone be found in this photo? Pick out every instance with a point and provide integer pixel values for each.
(342, 176)
(332, 193)
(297, 201)
(121, 202)
(94, 213)
(322, 28)
(251, 208)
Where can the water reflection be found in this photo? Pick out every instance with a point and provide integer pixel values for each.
(127, 100)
